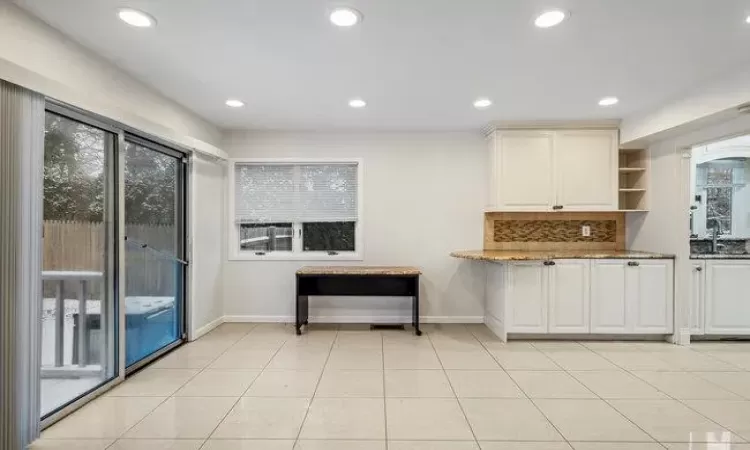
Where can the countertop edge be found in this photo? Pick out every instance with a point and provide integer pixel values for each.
(719, 257)
(544, 255)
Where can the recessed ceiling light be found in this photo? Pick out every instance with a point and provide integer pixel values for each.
(234, 103)
(482, 103)
(747, 19)
(136, 18)
(345, 17)
(357, 103)
(608, 101)
(550, 18)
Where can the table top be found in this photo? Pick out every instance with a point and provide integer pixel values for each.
(358, 270)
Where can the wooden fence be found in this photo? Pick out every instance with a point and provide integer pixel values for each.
(76, 246)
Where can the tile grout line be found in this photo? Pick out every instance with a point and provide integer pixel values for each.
(224, 417)
(628, 371)
(385, 399)
(200, 370)
(317, 385)
(605, 400)
(565, 439)
(455, 396)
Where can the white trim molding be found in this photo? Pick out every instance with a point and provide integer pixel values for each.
(207, 328)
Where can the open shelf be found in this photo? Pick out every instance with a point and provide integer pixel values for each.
(633, 177)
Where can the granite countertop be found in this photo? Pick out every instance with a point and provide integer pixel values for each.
(358, 270)
(521, 255)
(720, 256)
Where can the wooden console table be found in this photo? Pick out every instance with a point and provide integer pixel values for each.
(356, 281)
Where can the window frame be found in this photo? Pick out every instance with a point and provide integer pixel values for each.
(235, 253)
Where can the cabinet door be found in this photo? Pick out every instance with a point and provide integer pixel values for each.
(524, 174)
(586, 168)
(649, 292)
(609, 311)
(697, 298)
(526, 297)
(727, 298)
(569, 290)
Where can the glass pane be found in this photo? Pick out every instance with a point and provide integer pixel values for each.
(266, 237)
(79, 342)
(719, 209)
(154, 276)
(152, 312)
(328, 236)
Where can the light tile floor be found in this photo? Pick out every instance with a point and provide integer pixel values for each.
(252, 387)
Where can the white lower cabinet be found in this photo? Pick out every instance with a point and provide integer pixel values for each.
(569, 295)
(697, 297)
(609, 310)
(632, 297)
(650, 293)
(727, 302)
(526, 297)
(581, 296)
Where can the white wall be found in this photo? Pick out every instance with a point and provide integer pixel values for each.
(666, 228)
(40, 58)
(207, 258)
(423, 198)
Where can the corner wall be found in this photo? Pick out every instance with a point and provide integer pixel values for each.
(423, 198)
(207, 238)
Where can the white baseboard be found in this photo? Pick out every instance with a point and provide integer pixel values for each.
(355, 319)
(207, 327)
(496, 326)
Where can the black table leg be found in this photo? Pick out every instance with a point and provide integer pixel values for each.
(415, 309)
(302, 313)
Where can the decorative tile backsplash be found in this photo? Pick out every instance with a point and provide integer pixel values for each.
(554, 230)
(728, 246)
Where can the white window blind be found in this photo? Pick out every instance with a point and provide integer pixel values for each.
(273, 193)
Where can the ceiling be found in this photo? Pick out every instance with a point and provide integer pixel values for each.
(419, 64)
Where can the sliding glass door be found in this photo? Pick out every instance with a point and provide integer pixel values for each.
(154, 184)
(79, 306)
(114, 265)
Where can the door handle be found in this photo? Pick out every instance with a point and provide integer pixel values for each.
(699, 269)
(633, 263)
(549, 263)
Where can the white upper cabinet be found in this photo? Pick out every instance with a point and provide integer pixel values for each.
(525, 176)
(569, 296)
(540, 170)
(727, 299)
(587, 170)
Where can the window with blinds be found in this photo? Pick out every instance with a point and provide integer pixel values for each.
(296, 208)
